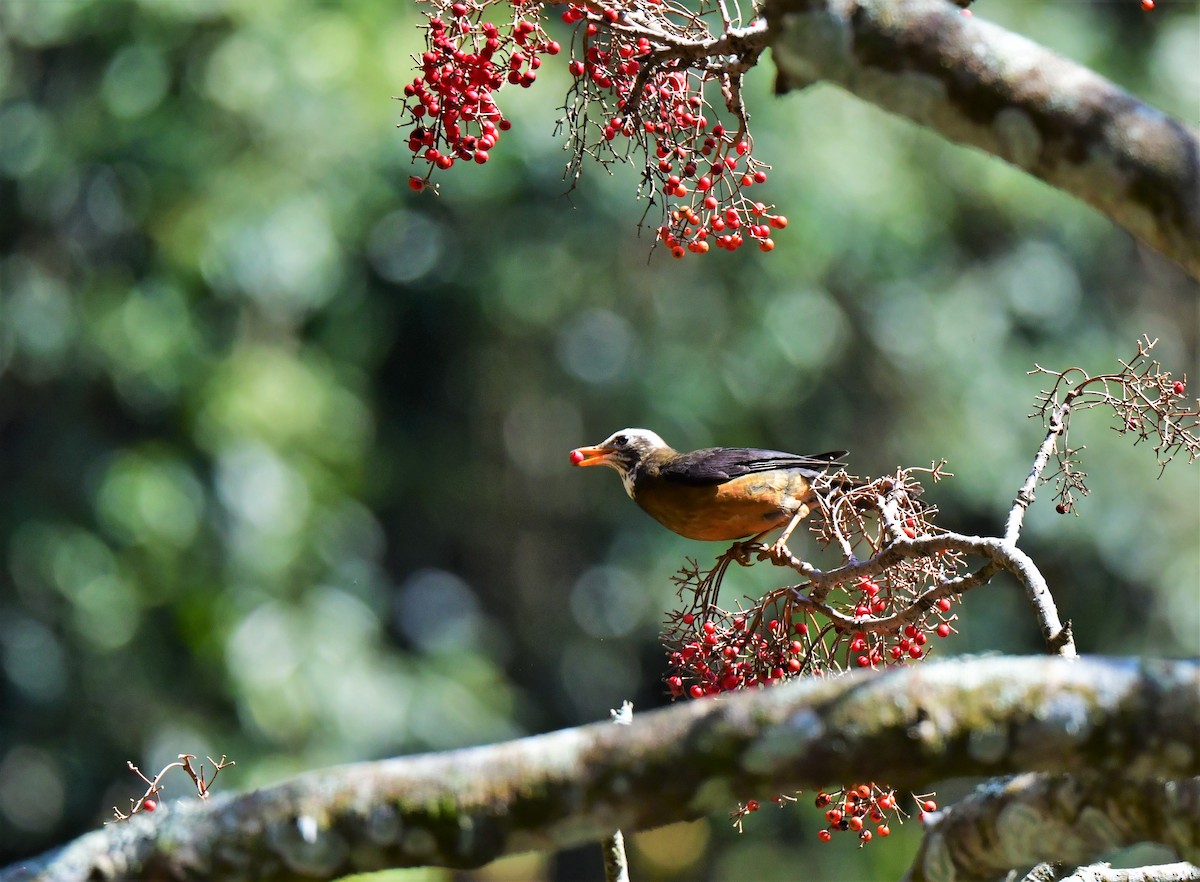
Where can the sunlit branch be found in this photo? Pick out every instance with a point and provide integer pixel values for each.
(465, 808)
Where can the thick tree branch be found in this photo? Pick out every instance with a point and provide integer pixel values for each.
(978, 84)
(1064, 819)
(1180, 872)
(909, 726)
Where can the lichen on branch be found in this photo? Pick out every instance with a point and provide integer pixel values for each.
(1133, 721)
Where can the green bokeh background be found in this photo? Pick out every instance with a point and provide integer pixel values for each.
(283, 445)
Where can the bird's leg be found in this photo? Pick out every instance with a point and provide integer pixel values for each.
(779, 552)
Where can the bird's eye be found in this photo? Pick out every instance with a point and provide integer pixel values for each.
(621, 440)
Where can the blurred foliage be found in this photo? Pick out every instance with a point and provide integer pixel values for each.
(283, 447)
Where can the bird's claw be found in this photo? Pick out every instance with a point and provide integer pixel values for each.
(779, 554)
(741, 551)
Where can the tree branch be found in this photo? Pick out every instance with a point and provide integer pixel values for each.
(1064, 819)
(1181, 872)
(978, 84)
(909, 726)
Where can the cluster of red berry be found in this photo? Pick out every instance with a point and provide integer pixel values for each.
(726, 658)
(722, 654)
(869, 647)
(451, 105)
(699, 170)
(856, 809)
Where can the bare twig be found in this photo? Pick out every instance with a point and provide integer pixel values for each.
(146, 802)
(616, 863)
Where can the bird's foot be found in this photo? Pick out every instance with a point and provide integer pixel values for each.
(780, 555)
(741, 552)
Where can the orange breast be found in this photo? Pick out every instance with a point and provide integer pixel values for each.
(742, 507)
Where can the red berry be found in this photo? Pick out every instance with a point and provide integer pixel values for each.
(883, 830)
(752, 805)
(824, 835)
(149, 805)
(1179, 386)
(943, 630)
(944, 604)
(1062, 508)
(416, 183)
(1147, 5)
(929, 805)
(865, 835)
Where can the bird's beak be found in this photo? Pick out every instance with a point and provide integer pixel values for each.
(591, 456)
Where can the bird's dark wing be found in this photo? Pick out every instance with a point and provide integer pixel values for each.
(716, 465)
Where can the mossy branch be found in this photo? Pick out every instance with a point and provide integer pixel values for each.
(1059, 819)
(912, 726)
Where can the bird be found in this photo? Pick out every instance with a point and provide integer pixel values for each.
(714, 494)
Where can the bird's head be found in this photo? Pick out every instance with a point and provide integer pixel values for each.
(624, 451)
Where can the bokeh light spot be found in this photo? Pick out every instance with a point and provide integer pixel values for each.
(595, 346)
(437, 610)
(403, 246)
(32, 789)
(135, 81)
